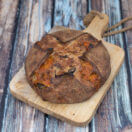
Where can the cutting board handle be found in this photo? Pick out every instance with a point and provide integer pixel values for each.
(98, 26)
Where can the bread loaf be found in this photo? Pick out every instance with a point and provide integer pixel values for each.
(67, 66)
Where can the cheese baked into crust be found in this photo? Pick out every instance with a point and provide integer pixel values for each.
(67, 66)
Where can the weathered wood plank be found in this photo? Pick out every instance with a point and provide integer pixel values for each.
(126, 6)
(96, 5)
(126, 12)
(115, 112)
(130, 52)
(8, 12)
(72, 13)
(68, 13)
(34, 20)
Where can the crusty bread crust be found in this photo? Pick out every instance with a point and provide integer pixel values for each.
(79, 65)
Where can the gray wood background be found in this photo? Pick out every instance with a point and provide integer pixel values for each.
(22, 22)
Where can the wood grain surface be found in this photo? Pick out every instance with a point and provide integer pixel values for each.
(26, 21)
(17, 115)
(7, 33)
(115, 113)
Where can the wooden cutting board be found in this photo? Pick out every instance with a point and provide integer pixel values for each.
(79, 113)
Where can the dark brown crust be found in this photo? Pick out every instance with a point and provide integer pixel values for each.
(101, 59)
(67, 35)
(68, 88)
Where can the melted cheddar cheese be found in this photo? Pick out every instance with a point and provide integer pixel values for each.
(43, 74)
(88, 74)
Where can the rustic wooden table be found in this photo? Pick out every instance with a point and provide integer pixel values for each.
(22, 22)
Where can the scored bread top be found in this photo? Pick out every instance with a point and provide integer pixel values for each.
(67, 66)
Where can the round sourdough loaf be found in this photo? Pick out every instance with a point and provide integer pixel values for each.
(67, 66)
